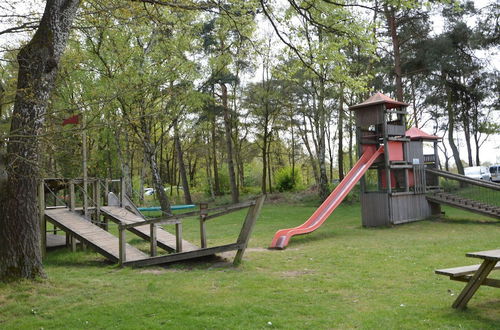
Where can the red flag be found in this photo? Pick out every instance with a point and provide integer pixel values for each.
(72, 120)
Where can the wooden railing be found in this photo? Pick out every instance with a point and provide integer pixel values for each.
(204, 215)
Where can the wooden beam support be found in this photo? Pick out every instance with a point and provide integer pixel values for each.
(246, 229)
(203, 229)
(43, 222)
(182, 256)
(152, 241)
(122, 245)
(475, 282)
(178, 237)
(72, 196)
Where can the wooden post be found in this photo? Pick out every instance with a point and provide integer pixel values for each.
(203, 232)
(43, 223)
(123, 192)
(72, 197)
(97, 200)
(84, 167)
(178, 237)
(122, 245)
(73, 243)
(106, 191)
(152, 234)
(246, 229)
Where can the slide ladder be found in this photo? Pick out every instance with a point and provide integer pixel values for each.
(282, 237)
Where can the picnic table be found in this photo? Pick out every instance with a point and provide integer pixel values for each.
(474, 275)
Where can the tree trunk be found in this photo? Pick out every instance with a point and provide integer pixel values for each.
(341, 135)
(264, 160)
(323, 178)
(182, 167)
(217, 191)
(390, 15)
(155, 173)
(229, 146)
(124, 161)
(20, 254)
(451, 130)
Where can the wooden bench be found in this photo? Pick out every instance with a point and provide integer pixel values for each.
(474, 275)
(464, 274)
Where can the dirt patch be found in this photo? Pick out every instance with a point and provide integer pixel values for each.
(157, 271)
(297, 273)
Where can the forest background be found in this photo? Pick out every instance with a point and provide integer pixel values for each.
(212, 98)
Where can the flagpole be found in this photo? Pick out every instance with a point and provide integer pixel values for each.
(84, 166)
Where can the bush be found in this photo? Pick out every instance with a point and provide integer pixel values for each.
(286, 180)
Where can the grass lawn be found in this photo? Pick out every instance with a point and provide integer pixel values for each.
(341, 276)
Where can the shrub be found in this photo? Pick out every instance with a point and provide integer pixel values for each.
(286, 180)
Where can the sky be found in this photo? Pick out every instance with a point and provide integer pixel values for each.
(490, 153)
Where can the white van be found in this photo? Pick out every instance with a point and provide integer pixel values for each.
(495, 173)
(478, 173)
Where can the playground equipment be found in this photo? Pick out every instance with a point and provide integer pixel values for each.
(282, 237)
(173, 207)
(88, 225)
(398, 182)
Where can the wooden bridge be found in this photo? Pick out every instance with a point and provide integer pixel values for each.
(465, 203)
(91, 230)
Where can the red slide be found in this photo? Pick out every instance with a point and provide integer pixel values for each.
(282, 237)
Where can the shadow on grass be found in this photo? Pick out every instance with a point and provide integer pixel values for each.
(485, 311)
(469, 221)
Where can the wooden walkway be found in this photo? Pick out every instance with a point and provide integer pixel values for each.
(164, 239)
(465, 204)
(94, 236)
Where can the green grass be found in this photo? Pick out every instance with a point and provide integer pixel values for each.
(341, 276)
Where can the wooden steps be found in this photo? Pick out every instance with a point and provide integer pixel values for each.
(465, 203)
(164, 239)
(95, 237)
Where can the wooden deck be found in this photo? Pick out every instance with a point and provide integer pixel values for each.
(164, 239)
(465, 204)
(95, 237)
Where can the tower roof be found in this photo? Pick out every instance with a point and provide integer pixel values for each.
(379, 98)
(417, 134)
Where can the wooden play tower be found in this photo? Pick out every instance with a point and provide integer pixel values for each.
(393, 191)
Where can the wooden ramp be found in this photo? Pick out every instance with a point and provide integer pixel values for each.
(94, 236)
(164, 239)
(465, 204)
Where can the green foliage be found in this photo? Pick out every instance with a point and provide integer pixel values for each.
(286, 180)
(449, 185)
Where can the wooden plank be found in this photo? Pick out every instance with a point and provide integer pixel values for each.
(473, 284)
(164, 239)
(152, 241)
(247, 228)
(41, 217)
(85, 231)
(223, 210)
(463, 178)
(489, 255)
(183, 255)
(459, 203)
(460, 271)
(494, 283)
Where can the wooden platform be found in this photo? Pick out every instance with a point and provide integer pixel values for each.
(95, 237)
(164, 239)
(465, 204)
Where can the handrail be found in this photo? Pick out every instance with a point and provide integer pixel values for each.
(173, 219)
(463, 178)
